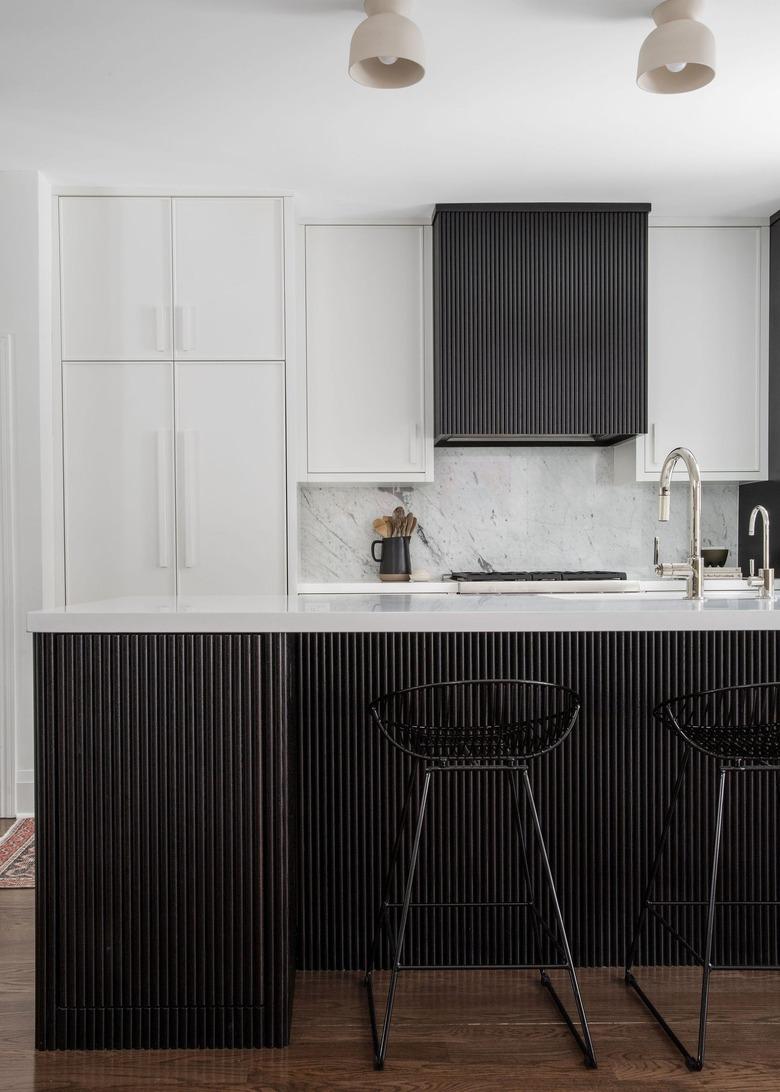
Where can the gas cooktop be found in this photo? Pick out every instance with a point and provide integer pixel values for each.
(559, 574)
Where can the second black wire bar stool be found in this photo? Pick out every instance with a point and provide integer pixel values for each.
(740, 727)
(495, 725)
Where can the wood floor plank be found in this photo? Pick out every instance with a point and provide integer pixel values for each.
(455, 1031)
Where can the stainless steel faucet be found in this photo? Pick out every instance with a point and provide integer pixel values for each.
(693, 569)
(766, 576)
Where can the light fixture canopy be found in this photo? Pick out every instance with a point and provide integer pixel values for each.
(387, 48)
(679, 55)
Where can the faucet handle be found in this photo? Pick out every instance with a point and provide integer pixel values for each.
(656, 551)
(752, 568)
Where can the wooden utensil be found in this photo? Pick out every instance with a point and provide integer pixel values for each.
(382, 527)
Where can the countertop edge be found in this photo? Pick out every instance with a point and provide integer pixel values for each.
(360, 623)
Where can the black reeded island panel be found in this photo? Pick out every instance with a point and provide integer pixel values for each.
(203, 799)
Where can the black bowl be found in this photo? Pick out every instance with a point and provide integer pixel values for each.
(713, 558)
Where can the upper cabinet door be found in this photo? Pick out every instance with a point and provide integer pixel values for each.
(707, 346)
(366, 351)
(230, 478)
(229, 278)
(119, 489)
(115, 258)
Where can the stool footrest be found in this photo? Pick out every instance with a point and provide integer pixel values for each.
(718, 902)
(457, 905)
(386, 925)
(482, 967)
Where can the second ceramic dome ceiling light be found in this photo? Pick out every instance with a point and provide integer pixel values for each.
(387, 48)
(388, 51)
(679, 55)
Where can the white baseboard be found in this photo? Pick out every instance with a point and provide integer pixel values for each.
(25, 799)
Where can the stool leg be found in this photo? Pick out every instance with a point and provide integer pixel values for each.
(707, 970)
(656, 865)
(696, 1062)
(373, 951)
(584, 1041)
(529, 883)
(380, 1043)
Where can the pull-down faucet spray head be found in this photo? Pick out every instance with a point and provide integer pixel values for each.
(664, 504)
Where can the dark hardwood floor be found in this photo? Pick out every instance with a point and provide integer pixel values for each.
(455, 1031)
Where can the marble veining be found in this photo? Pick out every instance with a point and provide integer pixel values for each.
(520, 508)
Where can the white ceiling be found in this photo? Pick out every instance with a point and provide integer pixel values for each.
(524, 100)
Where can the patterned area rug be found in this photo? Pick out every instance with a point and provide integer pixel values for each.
(17, 855)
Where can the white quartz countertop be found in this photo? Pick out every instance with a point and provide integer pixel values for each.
(419, 613)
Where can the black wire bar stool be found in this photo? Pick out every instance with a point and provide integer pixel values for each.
(469, 726)
(740, 727)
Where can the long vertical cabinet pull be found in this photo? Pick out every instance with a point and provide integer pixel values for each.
(163, 498)
(189, 449)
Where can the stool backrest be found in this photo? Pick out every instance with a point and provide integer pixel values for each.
(733, 722)
(477, 720)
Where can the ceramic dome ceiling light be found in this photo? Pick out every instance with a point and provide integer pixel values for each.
(679, 55)
(387, 48)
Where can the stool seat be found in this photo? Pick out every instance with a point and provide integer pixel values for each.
(736, 723)
(476, 722)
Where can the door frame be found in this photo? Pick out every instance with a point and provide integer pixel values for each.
(8, 601)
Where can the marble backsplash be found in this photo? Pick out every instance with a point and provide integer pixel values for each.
(510, 508)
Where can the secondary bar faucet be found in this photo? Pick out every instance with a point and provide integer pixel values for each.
(766, 576)
(693, 569)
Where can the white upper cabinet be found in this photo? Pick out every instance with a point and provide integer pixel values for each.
(119, 480)
(228, 278)
(367, 353)
(707, 352)
(230, 477)
(115, 258)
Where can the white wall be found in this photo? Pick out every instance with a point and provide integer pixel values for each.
(25, 314)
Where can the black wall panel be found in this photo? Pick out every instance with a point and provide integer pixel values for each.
(540, 322)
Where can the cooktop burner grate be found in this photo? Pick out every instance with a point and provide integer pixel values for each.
(557, 574)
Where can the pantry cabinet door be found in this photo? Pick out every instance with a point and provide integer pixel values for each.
(231, 481)
(115, 264)
(365, 351)
(118, 468)
(229, 278)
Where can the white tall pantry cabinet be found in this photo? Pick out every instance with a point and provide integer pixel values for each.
(173, 395)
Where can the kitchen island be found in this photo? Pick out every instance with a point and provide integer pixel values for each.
(215, 807)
